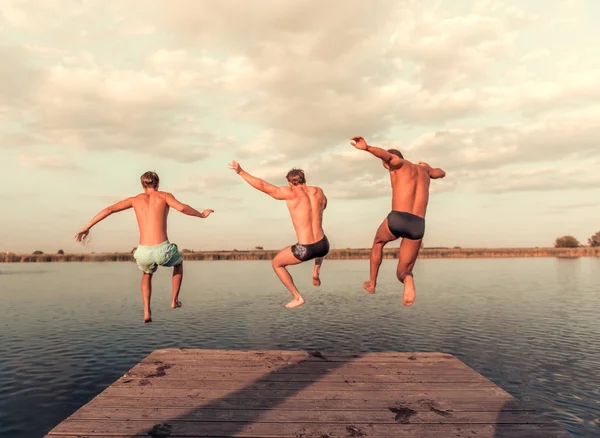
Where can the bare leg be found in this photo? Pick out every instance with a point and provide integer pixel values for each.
(316, 279)
(177, 279)
(409, 251)
(382, 237)
(281, 260)
(146, 294)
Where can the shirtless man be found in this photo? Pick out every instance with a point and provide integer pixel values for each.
(306, 205)
(154, 249)
(410, 195)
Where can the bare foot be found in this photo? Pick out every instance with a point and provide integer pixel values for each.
(409, 291)
(295, 303)
(369, 287)
(176, 304)
(316, 280)
(147, 319)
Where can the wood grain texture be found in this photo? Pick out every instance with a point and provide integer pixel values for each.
(215, 393)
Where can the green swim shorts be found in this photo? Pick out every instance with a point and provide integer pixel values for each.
(149, 258)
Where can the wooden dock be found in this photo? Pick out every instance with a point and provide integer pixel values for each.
(215, 393)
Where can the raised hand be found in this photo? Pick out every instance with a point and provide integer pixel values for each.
(207, 212)
(234, 165)
(359, 143)
(81, 235)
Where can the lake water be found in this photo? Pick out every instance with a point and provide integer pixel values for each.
(532, 326)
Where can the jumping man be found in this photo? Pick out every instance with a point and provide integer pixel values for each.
(154, 249)
(410, 195)
(306, 205)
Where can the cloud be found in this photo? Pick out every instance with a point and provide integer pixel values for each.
(574, 136)
(573, 206)
(544, 179)
(48, 162)
(309, 79)
(210, 183)
(299, 84)
(81, 104)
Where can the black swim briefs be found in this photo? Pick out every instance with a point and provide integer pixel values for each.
(407, 225)
(312, 251)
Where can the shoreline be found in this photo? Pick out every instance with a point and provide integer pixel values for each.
(334, 254)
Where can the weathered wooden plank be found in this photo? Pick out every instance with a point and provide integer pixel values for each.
(285, 430)
(246, 354)
(300, 356)
(178, 392)
(310, 367)
(245, 378)
(306, 394)
(199, 366)
(453, 402)
(288, 374)
(397, 414)
(252, 385)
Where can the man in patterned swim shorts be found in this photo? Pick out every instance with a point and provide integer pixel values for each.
(151, 210)
(306, 205)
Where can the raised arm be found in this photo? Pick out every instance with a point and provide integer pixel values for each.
(434, 173)
(119, 206)
(186, 209)
(259, 184)
(392, 160)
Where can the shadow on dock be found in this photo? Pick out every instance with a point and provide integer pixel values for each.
(505, 419)
(262, 400)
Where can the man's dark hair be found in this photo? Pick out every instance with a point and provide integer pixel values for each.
(296, 177)
(149, 180)
(395, 152)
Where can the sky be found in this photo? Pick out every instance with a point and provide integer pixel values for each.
(503, 95)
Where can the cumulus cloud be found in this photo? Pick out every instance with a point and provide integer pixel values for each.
(543, 179)
(302, 81)
(309, 79)
(554, 137)
(102, 108)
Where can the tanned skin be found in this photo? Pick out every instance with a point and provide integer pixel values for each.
(410, 193)
(305, 204)
(151, 210)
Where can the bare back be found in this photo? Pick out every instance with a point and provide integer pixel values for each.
(410, 188)
(306, 205)
(151, 211)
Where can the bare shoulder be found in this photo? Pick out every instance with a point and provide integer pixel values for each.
(164, 195)
(423, 173)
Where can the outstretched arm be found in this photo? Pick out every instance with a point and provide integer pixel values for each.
(186, 209)
(434, 173)
(119, 206)
(257, 183)
(392, 160)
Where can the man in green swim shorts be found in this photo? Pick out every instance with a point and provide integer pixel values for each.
(154, 249)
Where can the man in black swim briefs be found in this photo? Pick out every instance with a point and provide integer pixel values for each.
(306, 205)
(410, 195)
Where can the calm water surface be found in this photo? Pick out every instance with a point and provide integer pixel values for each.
(67, 331)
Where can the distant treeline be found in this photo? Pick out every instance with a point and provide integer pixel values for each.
(334, 254)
